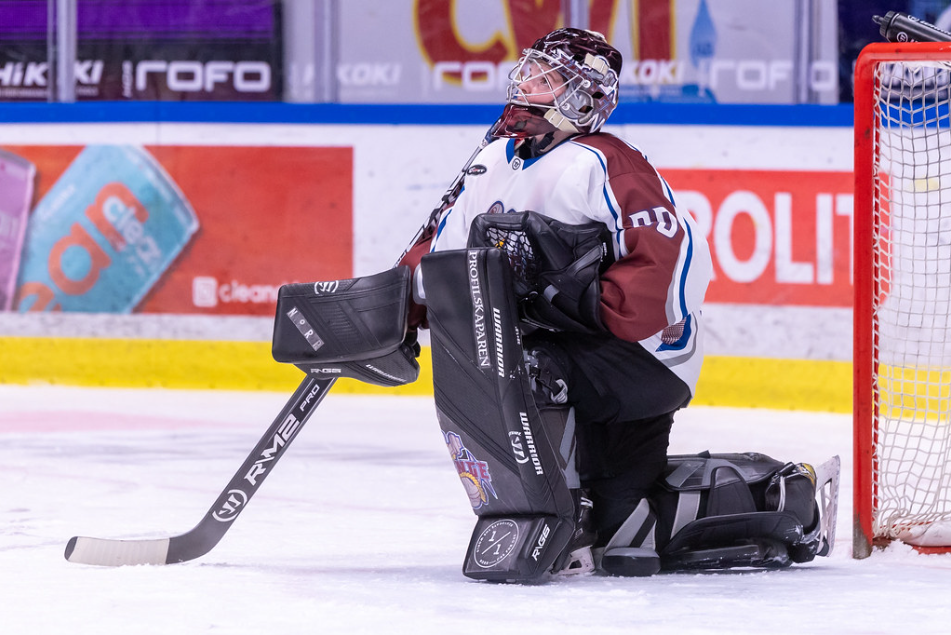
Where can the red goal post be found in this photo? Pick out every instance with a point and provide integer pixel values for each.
(902, 303)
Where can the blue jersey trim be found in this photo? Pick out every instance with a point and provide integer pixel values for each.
(688, 259)
(439, 228)
(510, 155)
(670, 192)
(442, 221)
(526, 163)
(604, 191)
(682, 293)
(681, 343)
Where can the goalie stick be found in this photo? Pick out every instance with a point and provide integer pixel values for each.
(449, 197)
(233, 499)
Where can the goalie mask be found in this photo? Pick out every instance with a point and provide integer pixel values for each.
(567, 80)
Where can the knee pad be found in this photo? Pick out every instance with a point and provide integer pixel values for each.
(739, 510)
(734, 510)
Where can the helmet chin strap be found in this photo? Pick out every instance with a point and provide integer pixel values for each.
(542, 144)
(531, 147)
(561, 122)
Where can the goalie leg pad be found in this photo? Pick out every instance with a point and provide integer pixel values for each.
(505, 456)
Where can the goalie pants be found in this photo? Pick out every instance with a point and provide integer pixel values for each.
(624, 401)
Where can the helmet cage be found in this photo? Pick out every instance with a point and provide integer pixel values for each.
(582, 96)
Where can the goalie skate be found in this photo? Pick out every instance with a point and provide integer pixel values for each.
(580, 562)
(579, 559)
(827, 498)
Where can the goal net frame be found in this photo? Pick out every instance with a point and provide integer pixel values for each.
(902, 386)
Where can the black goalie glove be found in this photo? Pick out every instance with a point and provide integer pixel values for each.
(556, 267)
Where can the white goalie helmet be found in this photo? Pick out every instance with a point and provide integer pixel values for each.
(567, 80)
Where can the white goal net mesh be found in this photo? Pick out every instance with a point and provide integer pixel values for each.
(912, 304)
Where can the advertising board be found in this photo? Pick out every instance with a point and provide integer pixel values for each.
(180, 229)
(148, 50)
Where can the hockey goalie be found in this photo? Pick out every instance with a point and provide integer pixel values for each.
(538, 474)
(562, 289)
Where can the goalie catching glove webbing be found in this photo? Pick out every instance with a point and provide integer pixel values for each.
(556, 267)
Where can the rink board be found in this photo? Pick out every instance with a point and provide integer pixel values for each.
(786, 384)
(791, 349)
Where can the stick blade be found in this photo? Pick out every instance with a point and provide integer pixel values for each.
(116, 553)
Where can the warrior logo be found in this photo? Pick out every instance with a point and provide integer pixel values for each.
(473, 473)
(323, 288)
(231, 507)
(515, 438)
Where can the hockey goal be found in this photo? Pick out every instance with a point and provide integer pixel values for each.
(902, 276)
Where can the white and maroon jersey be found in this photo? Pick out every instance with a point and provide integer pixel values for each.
(653, 292)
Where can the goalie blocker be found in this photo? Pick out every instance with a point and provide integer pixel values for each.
(352, 328)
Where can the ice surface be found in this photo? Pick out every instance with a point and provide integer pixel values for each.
(363, 526)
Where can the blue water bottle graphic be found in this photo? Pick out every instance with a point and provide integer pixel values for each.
(104, 234)
(703, 46)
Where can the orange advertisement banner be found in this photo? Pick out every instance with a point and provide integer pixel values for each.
(777, 237)
(181, 229)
